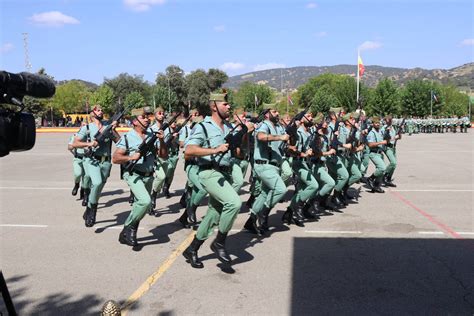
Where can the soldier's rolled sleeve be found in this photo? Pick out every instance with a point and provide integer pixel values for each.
(121, 143)
(197, 137)
(371, 138)
(82, 134)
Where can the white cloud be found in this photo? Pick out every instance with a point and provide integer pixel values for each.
(52, 18)
(231, 66)
(321, 34)
(6, 47)
(268, 66)
(142, 5)
(368, 45)
(219, 28)
(311, 5)
(468, 42)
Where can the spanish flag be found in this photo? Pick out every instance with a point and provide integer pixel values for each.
(361, 66)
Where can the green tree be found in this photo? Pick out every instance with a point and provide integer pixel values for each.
(124, 84)
(105, 97)
(216, 78)
(134, 100)
(173, 79)
(323, 99)
(245, 96)
(385, 99)
(71, 97)
(416, 98)
(160, 96)
(453, 101)
(198, 90)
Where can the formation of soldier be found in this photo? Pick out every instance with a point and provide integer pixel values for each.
(417, 125)
(322, 155)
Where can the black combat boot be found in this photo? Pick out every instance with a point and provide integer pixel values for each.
(252, 226)
(388, 181)
(218, 246)
(131, 198)
(182, 200)
(371, 181)
(91, 215)
(85, 199)
(336, 198)
(297, 215)
(81, 193)
(345, 193)
(74, 190)
(166, 190)
(325, 204)
(307, 213)
(263, 217)
(128, 235)
(191, 212)
(376, 187)
(286, 219)
(153, 199)
(183, 219)
(191, 253)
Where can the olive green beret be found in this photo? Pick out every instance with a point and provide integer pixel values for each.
(218, 97)
(137, 112)
(346, 117)
(335, 110)
(159, 109)
(147, 110)
(355, 115)
(318, 119)
(268, 106)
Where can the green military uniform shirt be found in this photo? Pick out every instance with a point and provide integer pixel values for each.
(144, 164)
(268, 150)
(89, 131)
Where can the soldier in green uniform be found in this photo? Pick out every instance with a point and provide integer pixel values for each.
(390, 150)
(80, 176)
(171, 140)
(140, 178)
(207, 144)
(335, 163)
(97, 161)
(240, 166)
(376, 144)
(349, 136)
(267, 162)
(307, 185)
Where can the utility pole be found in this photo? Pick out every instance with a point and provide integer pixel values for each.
(27, 54)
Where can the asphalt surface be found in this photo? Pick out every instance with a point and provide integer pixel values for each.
(407, 251)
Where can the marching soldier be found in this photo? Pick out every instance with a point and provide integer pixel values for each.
(97, 161)
(390, 151)
(140, 178)
(161, 165)
(351, 158)
(207, 144)
(80, 176)
(267, 162)
(376, 144)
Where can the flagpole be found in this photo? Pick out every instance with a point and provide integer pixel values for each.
(431, 99)
(358, 75)
(287, 102)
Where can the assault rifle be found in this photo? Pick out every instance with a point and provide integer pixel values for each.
(291, 129)
(334, 144)
(400, 131)
(170, 139)
(106, 133)
(148, 144)
(259, 118)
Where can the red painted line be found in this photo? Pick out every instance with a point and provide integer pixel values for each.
(444, 227)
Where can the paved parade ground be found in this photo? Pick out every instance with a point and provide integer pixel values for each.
(408, 251)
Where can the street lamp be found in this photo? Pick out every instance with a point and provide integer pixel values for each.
(169, 88)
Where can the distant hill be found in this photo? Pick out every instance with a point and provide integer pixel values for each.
(88, 84)
(462, 76)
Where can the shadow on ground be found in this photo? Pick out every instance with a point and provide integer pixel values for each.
(349, 276)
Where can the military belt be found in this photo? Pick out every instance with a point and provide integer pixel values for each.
(377, 151)
(225, 169)
(264, 162)
(101, 158)
(143, 174)
(390, 145)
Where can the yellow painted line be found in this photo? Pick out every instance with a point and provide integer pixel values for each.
(157, 274)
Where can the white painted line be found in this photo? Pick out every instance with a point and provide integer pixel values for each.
(435, 190)
(465, 233)
(114, 227)
(431, 233)
(20, 225)
(50, 188)
(332, 232)
(436, 151)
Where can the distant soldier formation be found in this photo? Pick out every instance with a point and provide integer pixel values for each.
(321, 155)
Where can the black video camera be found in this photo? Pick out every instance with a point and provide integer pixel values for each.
(17, 128)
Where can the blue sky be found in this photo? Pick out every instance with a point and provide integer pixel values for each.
(90, 40)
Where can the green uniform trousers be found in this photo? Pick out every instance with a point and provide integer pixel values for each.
(198, 191)
(172, 163)
(239, 168)
(338, 171)
(325, 181)
(285, 169)
(80, 174)
(98, 172)
(377, 159)
(224, 203)
(391, 154)
(352, 164)
(307, 184)
(140, 186)
(365, 160)
(272, 187)
(161, 167)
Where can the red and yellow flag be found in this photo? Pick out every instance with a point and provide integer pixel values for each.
(361, 66)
